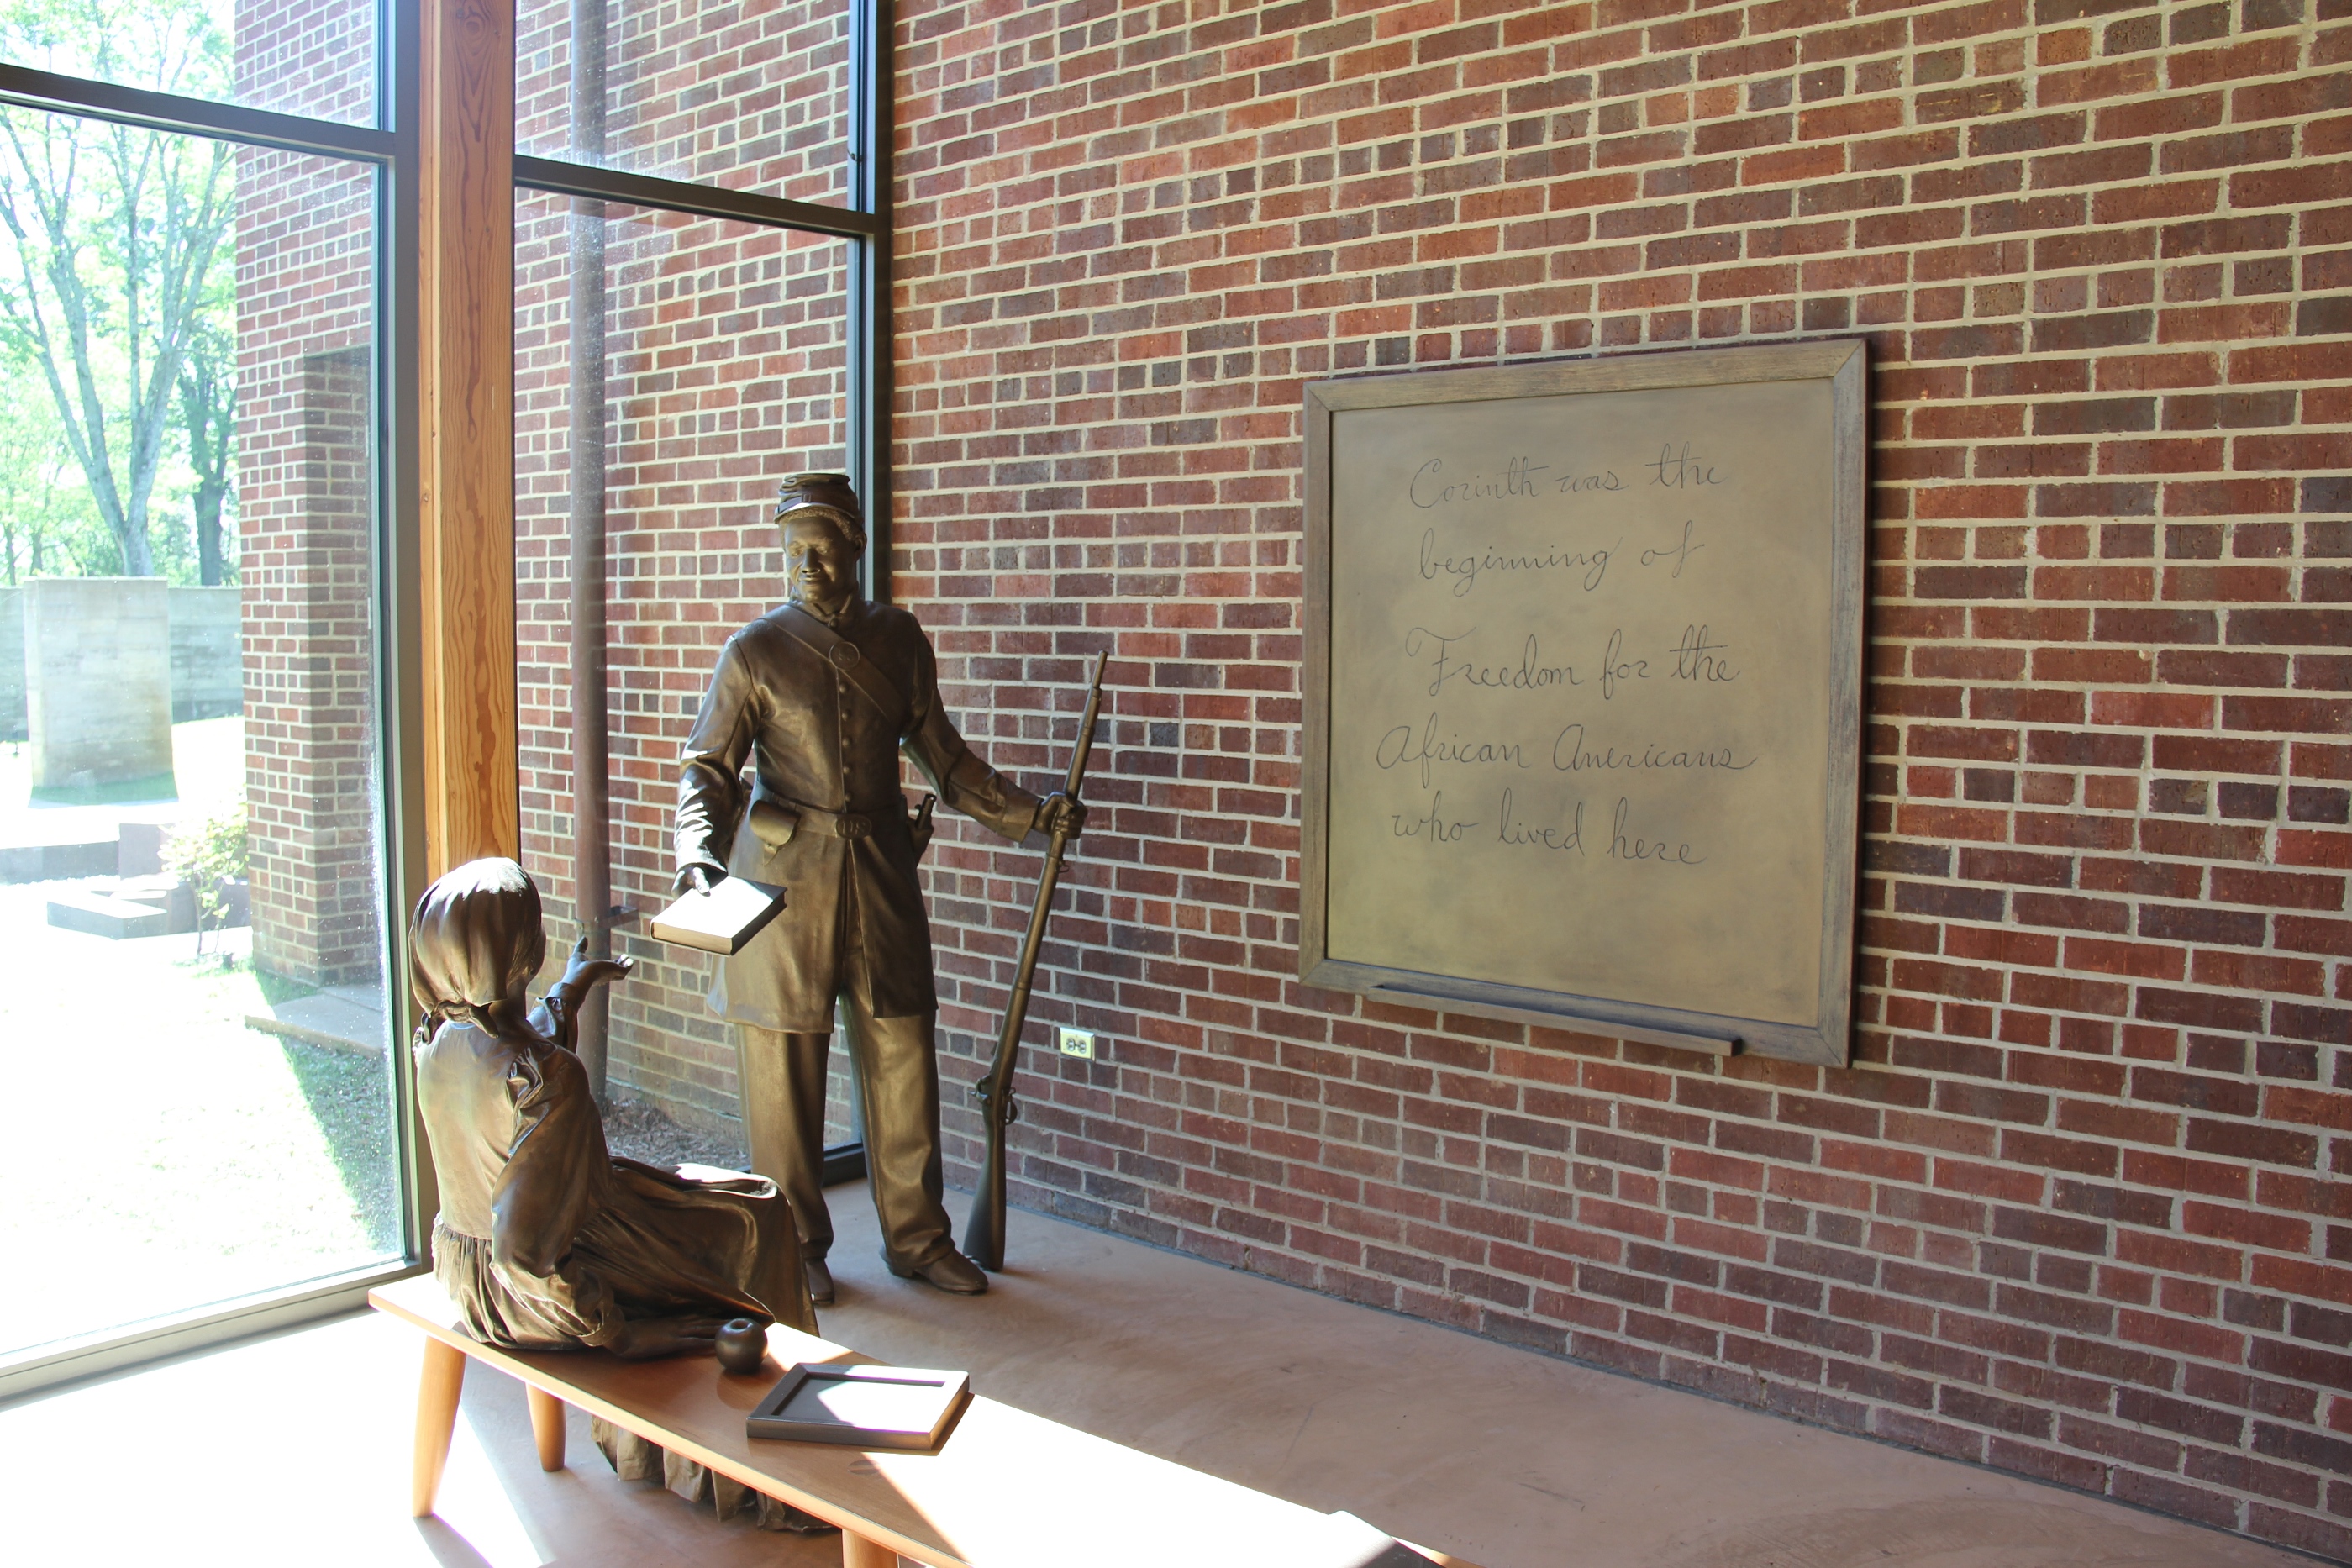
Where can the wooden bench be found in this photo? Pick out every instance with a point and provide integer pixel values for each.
(1008, 1489)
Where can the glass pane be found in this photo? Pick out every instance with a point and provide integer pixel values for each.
(200, 1094)
(721, 94)
(313, 57)
(715, 358)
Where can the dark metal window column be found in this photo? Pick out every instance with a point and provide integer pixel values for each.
(592, 812)
(871, 85)
(865, 223)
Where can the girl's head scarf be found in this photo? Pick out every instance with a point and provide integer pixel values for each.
(475, 940)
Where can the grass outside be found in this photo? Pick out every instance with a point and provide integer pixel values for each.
(158, 1154)
(207, 773)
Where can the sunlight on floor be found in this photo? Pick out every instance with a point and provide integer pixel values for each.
(476, 1507)
(294, 1450)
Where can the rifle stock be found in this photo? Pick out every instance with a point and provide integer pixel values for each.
(983, 1233)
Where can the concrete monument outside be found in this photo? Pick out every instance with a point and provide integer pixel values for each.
(98, 681)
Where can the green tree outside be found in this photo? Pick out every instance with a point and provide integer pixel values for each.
(117, 304)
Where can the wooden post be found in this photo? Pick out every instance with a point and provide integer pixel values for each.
(466, 378)
(547, 1428)
(444, 1379)
(857, 1551)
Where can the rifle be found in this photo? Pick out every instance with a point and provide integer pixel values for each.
(983, 1233)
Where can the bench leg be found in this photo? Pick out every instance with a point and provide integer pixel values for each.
(857, 1552)
(547, 1428)
(436, 1418)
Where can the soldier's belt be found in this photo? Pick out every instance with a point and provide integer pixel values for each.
(850, 825)
(776, 822)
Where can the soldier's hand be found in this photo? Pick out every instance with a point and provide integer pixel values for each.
(701, 878)
(1060, 814)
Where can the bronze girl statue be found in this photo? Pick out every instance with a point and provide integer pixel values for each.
(545, 1239)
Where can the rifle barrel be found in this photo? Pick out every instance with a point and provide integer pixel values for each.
(985, 1233)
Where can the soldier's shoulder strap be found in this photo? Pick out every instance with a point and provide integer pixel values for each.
(845, 657)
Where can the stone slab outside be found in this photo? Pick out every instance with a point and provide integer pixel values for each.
(341, 1017)
(97, 680)
(206, 654)
(107, 915)
(55, 862)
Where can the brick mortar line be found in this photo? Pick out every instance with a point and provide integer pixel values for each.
(1931, 1154)
(1030, 111)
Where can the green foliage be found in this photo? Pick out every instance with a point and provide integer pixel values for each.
(205, 855)
(117, 302)
(48, 526)
(164, 45)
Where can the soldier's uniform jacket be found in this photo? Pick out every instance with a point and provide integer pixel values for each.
(825, 819)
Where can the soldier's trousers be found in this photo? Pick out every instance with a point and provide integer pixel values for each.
(898, 1084)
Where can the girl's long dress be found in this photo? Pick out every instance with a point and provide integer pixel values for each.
(546, 1240)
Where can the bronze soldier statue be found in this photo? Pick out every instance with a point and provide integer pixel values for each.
(819, 697)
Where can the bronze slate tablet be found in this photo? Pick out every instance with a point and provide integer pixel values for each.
(722, 920)
(901, 1408)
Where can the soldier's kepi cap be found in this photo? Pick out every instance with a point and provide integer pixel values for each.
(821, 493)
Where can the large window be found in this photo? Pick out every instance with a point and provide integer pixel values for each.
(707, 92)
(243, 648)
(203, 1112)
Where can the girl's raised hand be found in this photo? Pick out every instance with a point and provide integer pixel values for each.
(583, 971)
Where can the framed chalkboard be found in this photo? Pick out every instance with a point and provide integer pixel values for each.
(1583, 678)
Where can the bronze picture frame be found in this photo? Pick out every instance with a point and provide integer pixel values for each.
(1538, 516)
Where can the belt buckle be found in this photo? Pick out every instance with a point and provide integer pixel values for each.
(856, 825)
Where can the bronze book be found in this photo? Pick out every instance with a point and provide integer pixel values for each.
(722, 920)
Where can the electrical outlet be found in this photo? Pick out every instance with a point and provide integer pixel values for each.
(1077, 1042)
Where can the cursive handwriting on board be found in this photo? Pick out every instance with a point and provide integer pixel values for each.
(1522, 479)
(1590, 565)
(1560, 758)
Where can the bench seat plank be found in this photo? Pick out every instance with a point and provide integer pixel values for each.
(1008, 1489)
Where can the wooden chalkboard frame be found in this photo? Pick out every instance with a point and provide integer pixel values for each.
(1843, 364)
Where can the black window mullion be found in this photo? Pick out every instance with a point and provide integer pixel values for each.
(558, 177)
(399, 583)
(871, 97)
(30, 89)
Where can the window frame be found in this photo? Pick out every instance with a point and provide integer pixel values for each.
(390, 153)
(863, 221)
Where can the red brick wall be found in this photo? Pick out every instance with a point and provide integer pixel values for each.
(2076, 1208)
(725, 363)
(314, 58)
(305, 482)
(726, 369)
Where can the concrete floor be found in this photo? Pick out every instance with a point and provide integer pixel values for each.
(294, 1448)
